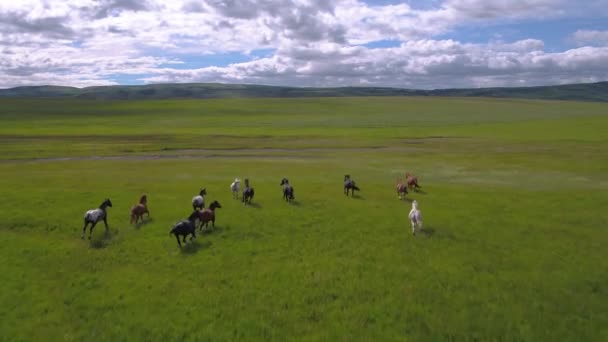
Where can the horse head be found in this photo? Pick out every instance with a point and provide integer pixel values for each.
(203, 192)
(415, 204)
(284, 181)
(106, 203)
(215, 204)
(143, 199)
(346, 177)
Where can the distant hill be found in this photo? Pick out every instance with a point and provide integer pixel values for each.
(578, 92)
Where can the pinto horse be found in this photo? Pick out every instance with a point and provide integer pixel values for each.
(234, 187)
(349, 184)
(247, 193)
(198, 202)
(138, 210)
(412, 181)
(415, 217)
(185, 228)
(208, 215)
(287, 190)
(95, 215)
(401, 189)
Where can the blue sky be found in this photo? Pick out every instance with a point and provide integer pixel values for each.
(409, 44)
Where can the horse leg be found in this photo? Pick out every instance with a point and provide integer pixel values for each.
(105, 222)
(91, 229)
(178, 242)
(84, 229)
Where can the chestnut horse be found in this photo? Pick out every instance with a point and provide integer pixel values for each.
(208, 215)
(138, 210)
(349, 184)
(95, 215)
(401, 189)
(412, 181)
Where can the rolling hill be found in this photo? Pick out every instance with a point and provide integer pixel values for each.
(580, 92)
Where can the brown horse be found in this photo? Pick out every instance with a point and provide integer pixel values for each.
(412, 181)
(138, 210)
(208, 215)
(401, 189)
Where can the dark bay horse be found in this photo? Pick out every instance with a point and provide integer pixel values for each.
(412, 181)
(349, 184)
(287, 190)
(95, 215)
(185, 228)
(138, 210)
(247, 193)
(198, 202)
(208, 215)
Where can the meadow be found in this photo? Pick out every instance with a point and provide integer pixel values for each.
(514, 200)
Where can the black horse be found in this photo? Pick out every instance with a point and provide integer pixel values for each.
(349, 184)
(287, 190)
(185, 228)
(247, 193)
(95, 215)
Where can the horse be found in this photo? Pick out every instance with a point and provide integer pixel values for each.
(94, 215)
(287, 190)
(198, 202)
(138, 210)
(207, 215)
(185, 228)
(401, 189)
(412, 181)
(234, 187)
(247, 193)
(415, 217)
(349, 184)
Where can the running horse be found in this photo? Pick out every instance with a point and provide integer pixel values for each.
(401, 189)
(412, 181)
(287, 190)
(349, 185)
(138, 210)
(185, 228)
(247, 193)
(198, 202)
(95, 215)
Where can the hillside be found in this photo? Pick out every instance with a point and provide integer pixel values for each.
(580, 92)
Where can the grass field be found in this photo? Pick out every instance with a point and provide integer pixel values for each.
(514, 201)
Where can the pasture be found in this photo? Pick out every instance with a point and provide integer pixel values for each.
(514, 202)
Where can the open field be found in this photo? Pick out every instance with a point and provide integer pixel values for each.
(514, 201)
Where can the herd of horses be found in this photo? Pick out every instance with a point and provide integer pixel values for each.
(203, 216)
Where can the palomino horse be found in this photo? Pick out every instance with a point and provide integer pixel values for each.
(349, 184)
(138, 210)
(234, 187)
(185, 228)
(95, 215)
(208, 215)
(198, 202)
(412, 181)
(401, 189)
(415, 217)
(247, 193)
(287, 190)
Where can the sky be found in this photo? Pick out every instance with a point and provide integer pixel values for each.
(322, 43)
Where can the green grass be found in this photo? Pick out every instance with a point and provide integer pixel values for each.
(514, 205)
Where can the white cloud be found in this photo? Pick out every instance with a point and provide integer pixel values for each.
(315, 42)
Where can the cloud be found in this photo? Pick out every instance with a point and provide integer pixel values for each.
(311, 42)
(590, 37)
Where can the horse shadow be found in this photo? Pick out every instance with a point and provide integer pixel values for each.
(194, 246)
(419, 191)
(143, 223)
(253, 205)
(427, 231)
(295, 203)
(212, 230)
(357, 197)
(104, 241)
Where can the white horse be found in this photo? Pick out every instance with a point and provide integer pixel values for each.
(415, 217)
(235, 186)
(198, 202)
